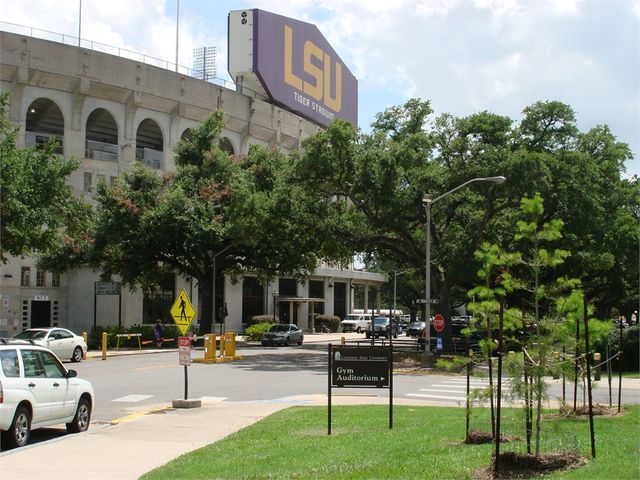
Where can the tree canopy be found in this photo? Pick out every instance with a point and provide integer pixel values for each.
(377, 180)
(38, 210)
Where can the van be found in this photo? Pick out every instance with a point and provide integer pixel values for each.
(355, 322)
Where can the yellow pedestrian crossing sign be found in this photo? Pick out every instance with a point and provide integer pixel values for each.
(182, 312)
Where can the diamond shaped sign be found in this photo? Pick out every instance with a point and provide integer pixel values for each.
(182, 312)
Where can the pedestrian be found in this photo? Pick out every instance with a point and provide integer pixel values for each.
(157, 333)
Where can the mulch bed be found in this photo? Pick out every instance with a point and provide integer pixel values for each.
(523, 465)
(477, 437)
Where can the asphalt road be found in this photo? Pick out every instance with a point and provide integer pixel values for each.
(129, 384)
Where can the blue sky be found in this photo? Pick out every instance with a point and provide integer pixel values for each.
(464, 56)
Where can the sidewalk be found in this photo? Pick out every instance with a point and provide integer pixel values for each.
(129, 449)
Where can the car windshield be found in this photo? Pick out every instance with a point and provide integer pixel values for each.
(31, 335)
(279, 328)
(381, 320)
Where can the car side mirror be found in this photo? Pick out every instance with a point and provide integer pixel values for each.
(71, 373)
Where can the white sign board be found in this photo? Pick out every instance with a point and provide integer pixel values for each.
(184, 350)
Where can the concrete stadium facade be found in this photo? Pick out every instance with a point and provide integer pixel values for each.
(108, 111)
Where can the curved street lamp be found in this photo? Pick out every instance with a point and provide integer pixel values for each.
(427, 201)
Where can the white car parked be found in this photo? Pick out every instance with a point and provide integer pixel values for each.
(36, 391)
(64, 343)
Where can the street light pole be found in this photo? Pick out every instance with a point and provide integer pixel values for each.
(275, 294)
(427, 201)
(213, 290)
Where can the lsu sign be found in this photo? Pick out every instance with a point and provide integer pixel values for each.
(293, 64)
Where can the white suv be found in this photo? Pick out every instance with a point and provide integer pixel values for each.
(36, 391)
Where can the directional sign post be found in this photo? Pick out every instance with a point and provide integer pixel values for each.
(182, 312)
(432, 301)
(360, 367)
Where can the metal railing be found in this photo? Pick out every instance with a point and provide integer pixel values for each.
(39, 139)
(151, 158)
(101, 151)
(119, 52)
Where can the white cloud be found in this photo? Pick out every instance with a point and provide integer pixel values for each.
(465, 56)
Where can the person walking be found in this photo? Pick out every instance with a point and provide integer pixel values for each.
(158, 331)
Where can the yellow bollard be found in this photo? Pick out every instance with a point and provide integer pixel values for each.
(229, 344)
(209, 346)
(86, 340)
(342, 340)
(104, 345)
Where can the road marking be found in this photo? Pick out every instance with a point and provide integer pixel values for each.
(132, 398)
(440, 397)
(438, 390)
(133, 416)
(155, 367)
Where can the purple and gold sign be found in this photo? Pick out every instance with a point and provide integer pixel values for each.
(298, 68)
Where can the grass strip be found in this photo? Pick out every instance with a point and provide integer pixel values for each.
(425, 443)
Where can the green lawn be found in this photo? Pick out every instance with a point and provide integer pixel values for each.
(425, 443)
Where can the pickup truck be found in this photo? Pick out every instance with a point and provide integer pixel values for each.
(355, 322)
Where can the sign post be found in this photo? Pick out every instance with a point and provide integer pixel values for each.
(360, 367)
(183, 314)
(184, 355)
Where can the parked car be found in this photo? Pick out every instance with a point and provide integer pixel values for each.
(355, 322)
(415, 329)
(64, 343)
(36, 391)
(282, 335)
(382, 327)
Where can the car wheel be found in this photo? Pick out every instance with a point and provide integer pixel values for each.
(77, 354)
(300, 341)
(358, 330)
(20, 429)
(287, 341)
(80, 422)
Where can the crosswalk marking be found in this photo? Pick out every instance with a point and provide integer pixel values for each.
(439, 390)
(132, 398)
(441, 397)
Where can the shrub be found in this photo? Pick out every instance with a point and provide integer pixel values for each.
(255, 319)
(254, 332)
(330, 321)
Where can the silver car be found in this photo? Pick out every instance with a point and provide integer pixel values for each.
(283, 335)
(64, 343)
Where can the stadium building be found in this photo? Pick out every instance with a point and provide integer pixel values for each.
(108, 107)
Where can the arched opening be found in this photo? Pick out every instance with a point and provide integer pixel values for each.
(225, 146)
(187, 134)
(101, 142)
(44, 121)
(149, 144)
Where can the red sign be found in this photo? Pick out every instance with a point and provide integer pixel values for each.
(438, 323)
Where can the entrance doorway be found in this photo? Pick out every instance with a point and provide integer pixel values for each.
(40, 314)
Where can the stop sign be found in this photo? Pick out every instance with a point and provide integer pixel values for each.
(438, 323)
